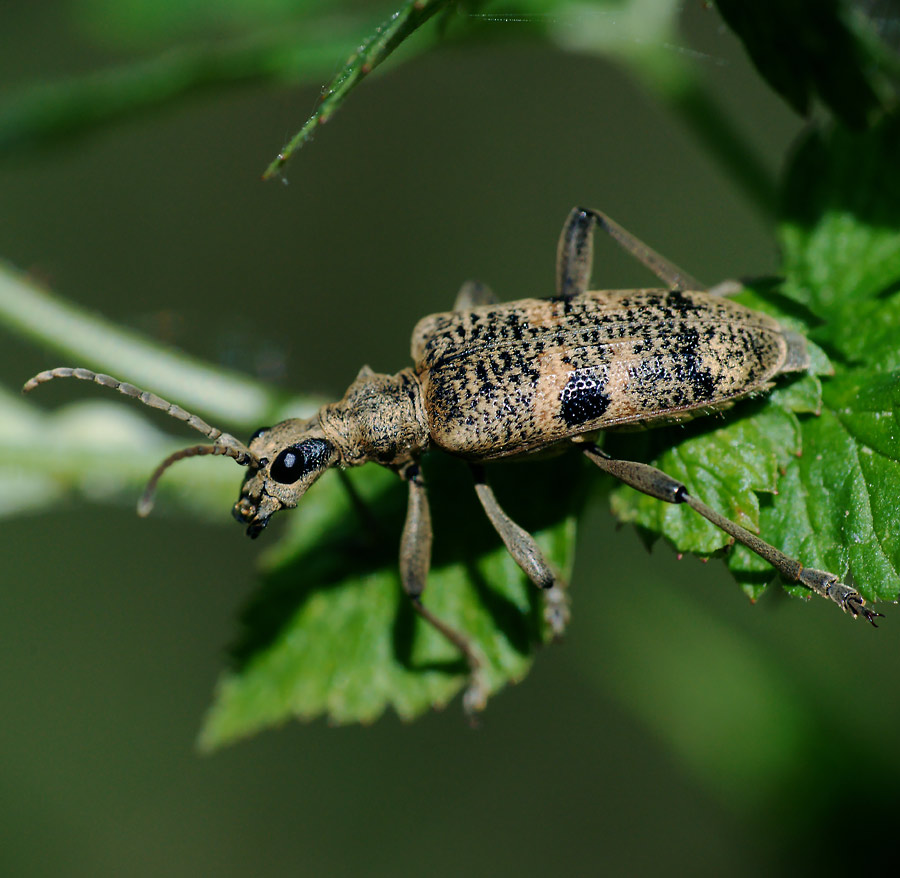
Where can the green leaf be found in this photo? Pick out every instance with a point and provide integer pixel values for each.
(839, 226)
(726, 466)
(815, 471)
(330, 631)
(839, 51)
(818, 478)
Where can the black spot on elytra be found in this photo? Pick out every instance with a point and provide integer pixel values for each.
(583, 399)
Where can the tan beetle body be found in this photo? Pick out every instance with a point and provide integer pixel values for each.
(503, 380)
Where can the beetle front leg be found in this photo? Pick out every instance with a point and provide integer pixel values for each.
(527, 554)
(415, 560)
(649, 480)
(575, 254)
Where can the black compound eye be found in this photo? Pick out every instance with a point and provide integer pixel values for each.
(258, 433)
(296, 461)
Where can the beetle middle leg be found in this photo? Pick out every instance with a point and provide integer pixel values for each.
(575, 254)
(525, 552)
(473, 293)
(415, 560)
(649, 480)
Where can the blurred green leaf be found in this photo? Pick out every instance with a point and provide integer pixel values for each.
(830, 482)
(637, 33)
(141, 23)
(840, 51)
(47, 112)
(207, 46)
(702, 681)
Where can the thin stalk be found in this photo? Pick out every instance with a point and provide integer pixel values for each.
(89, 340)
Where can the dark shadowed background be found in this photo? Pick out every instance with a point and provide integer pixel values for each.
(677, 728)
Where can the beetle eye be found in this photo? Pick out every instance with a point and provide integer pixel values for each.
(297, 460)
(258, 433)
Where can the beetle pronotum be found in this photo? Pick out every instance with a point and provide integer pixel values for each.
(494, 381)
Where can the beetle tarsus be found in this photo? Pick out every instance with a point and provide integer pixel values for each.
(829, 586)
(476, 695)
(655, 483)
(858, 608)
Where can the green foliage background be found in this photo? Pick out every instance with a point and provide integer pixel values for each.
(676, 725)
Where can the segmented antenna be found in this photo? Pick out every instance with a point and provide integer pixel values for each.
(224, 443)
(145, 504)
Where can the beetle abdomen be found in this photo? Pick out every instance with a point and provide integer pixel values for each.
(507, 379)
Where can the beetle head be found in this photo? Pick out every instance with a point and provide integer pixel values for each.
(289, 457)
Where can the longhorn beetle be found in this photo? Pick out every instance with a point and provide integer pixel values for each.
(494, 381)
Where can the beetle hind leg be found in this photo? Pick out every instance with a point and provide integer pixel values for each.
(575, 254)
(526, 553)
(649, 480)
(415, 560)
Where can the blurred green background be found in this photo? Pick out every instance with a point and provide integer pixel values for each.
(677, 728)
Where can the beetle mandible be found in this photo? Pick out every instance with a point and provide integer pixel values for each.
(494, 381)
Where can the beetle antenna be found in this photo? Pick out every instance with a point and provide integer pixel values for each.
(145, 504)
(224, 443)
(148, 399)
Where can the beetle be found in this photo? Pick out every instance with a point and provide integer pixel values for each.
(495, 381)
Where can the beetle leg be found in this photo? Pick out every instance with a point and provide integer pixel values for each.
(415, 559)
(649, 480)
(526, 553)
(360, 507)
(473, 293)
(575, 254)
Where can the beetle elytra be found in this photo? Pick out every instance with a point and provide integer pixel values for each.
(493, 381)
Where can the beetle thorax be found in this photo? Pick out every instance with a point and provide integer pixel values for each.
(380, 419)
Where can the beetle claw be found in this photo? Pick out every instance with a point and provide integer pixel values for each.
(847, 598)
(856, 606)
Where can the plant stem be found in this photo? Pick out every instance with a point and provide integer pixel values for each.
(94, 342)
